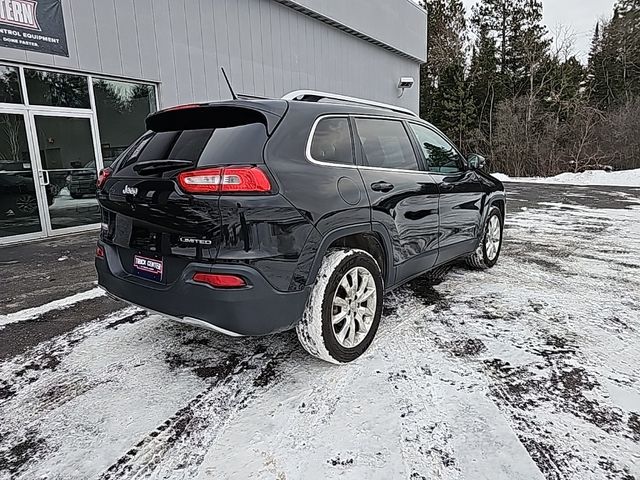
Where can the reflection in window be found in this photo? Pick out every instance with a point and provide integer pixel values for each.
(68, 156)
(122, 108)
(385, 144)
(332, 141)
(10, 85)
(441, 156)
(18, 199)
(57, 89)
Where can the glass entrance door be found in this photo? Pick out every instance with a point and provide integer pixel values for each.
(20, 196)
(68, 165)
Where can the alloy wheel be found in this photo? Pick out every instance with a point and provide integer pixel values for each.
(493, 238)
(26, 204)
(354, 307)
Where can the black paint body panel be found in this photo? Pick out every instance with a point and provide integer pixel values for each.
(280, 238)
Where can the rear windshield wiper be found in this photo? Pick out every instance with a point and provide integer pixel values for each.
(158, 166)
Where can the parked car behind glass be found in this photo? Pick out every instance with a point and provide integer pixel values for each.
(18, 194)
(83, 182)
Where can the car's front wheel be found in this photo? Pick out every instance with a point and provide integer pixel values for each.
(344, 309)
(488, 251)
(26, 205)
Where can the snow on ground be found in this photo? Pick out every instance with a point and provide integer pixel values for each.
(624, 178)
(528, 371)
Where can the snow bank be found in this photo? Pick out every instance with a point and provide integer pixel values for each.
(625, 178)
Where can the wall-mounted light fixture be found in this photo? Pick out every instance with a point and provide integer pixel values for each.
(404, 83)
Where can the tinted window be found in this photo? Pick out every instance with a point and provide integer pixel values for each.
(332, 141)
(385, 144)
(241, 144)
(440, 155)
(57, 89)
(9, 85)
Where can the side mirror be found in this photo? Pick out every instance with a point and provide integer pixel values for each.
(476, 162)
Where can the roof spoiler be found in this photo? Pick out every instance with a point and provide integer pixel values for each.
(218, 114)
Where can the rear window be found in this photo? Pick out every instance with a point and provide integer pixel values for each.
(239, 144)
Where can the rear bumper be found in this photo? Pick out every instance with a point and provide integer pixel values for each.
(256, 310)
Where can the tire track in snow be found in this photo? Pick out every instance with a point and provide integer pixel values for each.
(425, 442)
(20, 439)
(177, 447)
(28, 368)
(565, 339)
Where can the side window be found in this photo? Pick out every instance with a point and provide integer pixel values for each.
(441, 156)
(386, 144)
(332, 141)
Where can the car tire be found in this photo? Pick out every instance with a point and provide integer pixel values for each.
(488, 251)
(340, 321)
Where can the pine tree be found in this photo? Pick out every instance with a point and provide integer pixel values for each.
(485, 87)
(520, 37)
(596, 44)
(495, 17)
(614, 62)
(445, 52)
(458, 111)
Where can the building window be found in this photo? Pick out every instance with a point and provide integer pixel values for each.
(122, 108)
(10, 91)
(57, 89)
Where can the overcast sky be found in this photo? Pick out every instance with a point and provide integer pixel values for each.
(579, 15)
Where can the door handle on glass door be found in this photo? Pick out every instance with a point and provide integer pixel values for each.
(44, 178)
(381, 187)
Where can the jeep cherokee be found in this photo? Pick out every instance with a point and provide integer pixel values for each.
(251, 217)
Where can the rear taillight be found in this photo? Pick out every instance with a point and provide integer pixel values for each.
(99, 252)
(229, 179)
(218, 280)
(102, 177)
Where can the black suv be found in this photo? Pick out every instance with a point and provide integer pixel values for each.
(251, 217)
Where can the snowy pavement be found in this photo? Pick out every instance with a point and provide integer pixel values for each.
(528, 371)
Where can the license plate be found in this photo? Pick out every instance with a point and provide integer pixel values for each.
(150, 268)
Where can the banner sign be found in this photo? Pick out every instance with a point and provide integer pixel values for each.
(36, 25)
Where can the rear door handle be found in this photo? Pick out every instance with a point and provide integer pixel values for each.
(381, 187)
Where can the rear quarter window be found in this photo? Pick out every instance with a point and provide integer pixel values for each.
(331, 141)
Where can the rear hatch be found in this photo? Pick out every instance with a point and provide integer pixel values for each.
(145, 212)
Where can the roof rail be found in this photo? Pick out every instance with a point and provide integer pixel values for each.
(315, 96)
